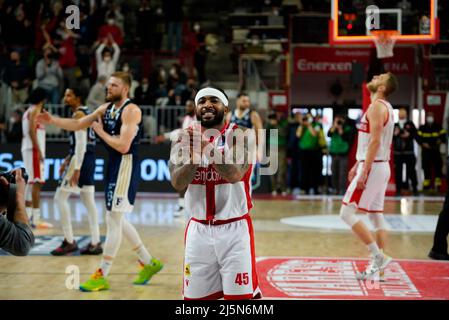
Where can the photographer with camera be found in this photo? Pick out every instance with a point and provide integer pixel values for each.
(16, 236)
(341, 136)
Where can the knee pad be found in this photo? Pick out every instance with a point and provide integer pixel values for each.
(347, 214)
(377, 220)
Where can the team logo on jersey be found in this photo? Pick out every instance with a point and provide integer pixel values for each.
(187, 270)
(118, 201)
(363, 126)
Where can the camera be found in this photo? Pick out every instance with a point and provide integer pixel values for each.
(8, 192)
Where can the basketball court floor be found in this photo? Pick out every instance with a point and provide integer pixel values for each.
(303, 251)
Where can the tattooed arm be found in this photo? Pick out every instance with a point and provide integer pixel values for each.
(181, 174)
(182, 169)
(235, 165)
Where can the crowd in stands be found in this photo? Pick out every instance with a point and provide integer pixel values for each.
(39, 49)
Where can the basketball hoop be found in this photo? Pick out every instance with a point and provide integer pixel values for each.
(384, 41)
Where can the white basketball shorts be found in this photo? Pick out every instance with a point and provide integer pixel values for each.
(220, 261)
(371, 199)
(33, 167)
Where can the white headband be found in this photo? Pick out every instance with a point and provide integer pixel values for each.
(211, 92)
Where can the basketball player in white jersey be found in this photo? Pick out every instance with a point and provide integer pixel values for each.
(369, 176)
(77, 177)
(33, 155)
(187, 121)
(219, 259)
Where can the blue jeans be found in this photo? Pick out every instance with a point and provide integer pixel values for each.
(174, 30)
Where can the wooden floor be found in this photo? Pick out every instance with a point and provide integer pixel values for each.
(44, 277)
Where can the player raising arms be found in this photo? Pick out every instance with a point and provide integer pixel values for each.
(78, 177)
(119, 124)
(369, 176)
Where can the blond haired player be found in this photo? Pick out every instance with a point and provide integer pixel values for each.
(119, 124)
(369, 176)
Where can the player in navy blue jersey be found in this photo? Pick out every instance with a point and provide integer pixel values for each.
(119, 124)
(77, 176)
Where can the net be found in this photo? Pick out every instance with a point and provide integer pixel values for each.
(385, 41)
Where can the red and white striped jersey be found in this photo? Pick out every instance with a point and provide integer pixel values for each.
(364, 137)
(27, 143)
(210, 197)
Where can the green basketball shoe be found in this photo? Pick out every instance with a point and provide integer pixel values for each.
(97, 282)
(148, 271)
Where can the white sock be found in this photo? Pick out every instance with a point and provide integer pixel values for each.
(374, 249)
(131, 234)
(29, 212)
(105, 266)
(36, 212)
(61, 198)
(143, 254)
(181, 202)
(87, 197)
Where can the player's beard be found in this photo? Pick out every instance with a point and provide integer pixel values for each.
(113, 98)
(372, 87)
(216, 120)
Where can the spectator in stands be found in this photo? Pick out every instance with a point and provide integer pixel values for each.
(190, 91)
(134, 82)
(18, 28)
(341, 136)
(174, 14)
(404, 136)
(143, 95)
(110, 31)
(200, 56)
(67, 56)
(278, 121)
(431, 135)
(176, 79)
(17, 76)
(115, 12)
(97, 95)
(293, 152)
(310, 154)
(107, 61)
(14, 127)
(146, 25)
(49, 75)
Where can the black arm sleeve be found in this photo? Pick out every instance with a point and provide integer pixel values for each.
(15, 237)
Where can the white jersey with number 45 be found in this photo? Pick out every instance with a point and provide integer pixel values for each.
(364, 136)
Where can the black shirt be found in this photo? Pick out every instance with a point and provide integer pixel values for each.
(404, 145)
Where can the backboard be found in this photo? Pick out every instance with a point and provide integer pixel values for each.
(353, 20)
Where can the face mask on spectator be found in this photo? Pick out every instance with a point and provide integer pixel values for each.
(145, 86)
(430, 119)
(12, 120)
(173, 71)
(196, 27)
(125, 68)
(402, 122)
(107, 58)
(111, 22)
